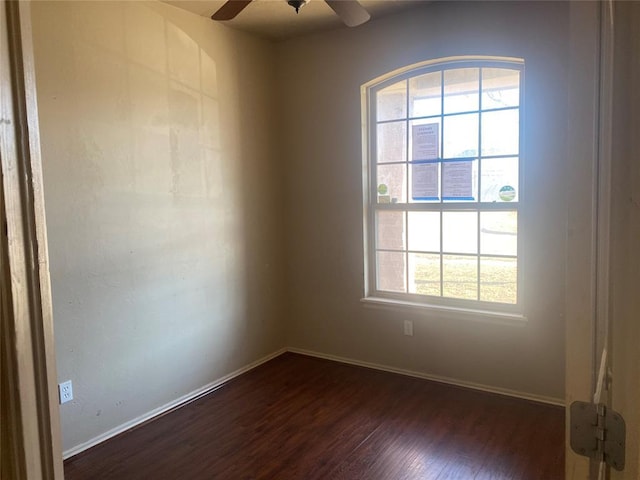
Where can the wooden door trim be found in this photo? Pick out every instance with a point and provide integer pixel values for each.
(583, 294)
(28, 365)
(603, 198)
(588, 253)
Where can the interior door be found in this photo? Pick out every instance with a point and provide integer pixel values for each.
(582, 290)
(623, 339)
(603, 301)
(617, 326)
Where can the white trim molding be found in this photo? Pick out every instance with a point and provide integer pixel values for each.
(168, 407)
(446, 311)
(213, 386)
(434, 378)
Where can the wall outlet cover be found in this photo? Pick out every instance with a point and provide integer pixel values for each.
(65, 391)
(408, 328)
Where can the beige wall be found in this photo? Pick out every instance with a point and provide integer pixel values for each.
(165, 177)
(163, 203)
(320, 76)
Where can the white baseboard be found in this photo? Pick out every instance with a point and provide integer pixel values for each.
(192, 396)
(435, 378)
(185, 399)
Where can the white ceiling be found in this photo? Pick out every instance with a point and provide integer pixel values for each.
(276, 20)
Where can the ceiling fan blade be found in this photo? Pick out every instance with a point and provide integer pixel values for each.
(350, 12)
(230, 9)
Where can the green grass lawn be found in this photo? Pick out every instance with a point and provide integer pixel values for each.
(498, 277)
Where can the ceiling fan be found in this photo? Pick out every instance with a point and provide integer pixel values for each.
(350, 12)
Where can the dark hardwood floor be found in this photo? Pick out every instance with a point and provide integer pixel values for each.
(298, 417)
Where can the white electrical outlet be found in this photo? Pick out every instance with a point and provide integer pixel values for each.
(65, 391)
(408, 328)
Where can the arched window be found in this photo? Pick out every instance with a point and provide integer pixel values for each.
(443, 184)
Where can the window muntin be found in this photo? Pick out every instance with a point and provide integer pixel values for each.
(444, 176)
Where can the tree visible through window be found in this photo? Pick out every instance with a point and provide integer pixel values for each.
(444, 184)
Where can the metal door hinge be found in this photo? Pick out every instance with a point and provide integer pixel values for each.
(598, 433)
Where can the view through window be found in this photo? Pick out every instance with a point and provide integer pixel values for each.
(444, 184)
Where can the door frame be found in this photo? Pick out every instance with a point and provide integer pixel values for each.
(590, 160)
(588, 219)
(31, 440)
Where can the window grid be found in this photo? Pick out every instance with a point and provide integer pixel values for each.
(480, 162)
(407, 186)
(477, 205)
(441, 155)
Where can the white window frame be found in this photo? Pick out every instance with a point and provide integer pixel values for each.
(446, 306)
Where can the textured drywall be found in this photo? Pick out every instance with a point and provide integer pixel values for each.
(163, 204)
(320, 76)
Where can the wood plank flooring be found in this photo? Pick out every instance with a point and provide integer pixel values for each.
(298, 417)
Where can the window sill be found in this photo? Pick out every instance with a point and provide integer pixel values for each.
(441, 311)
